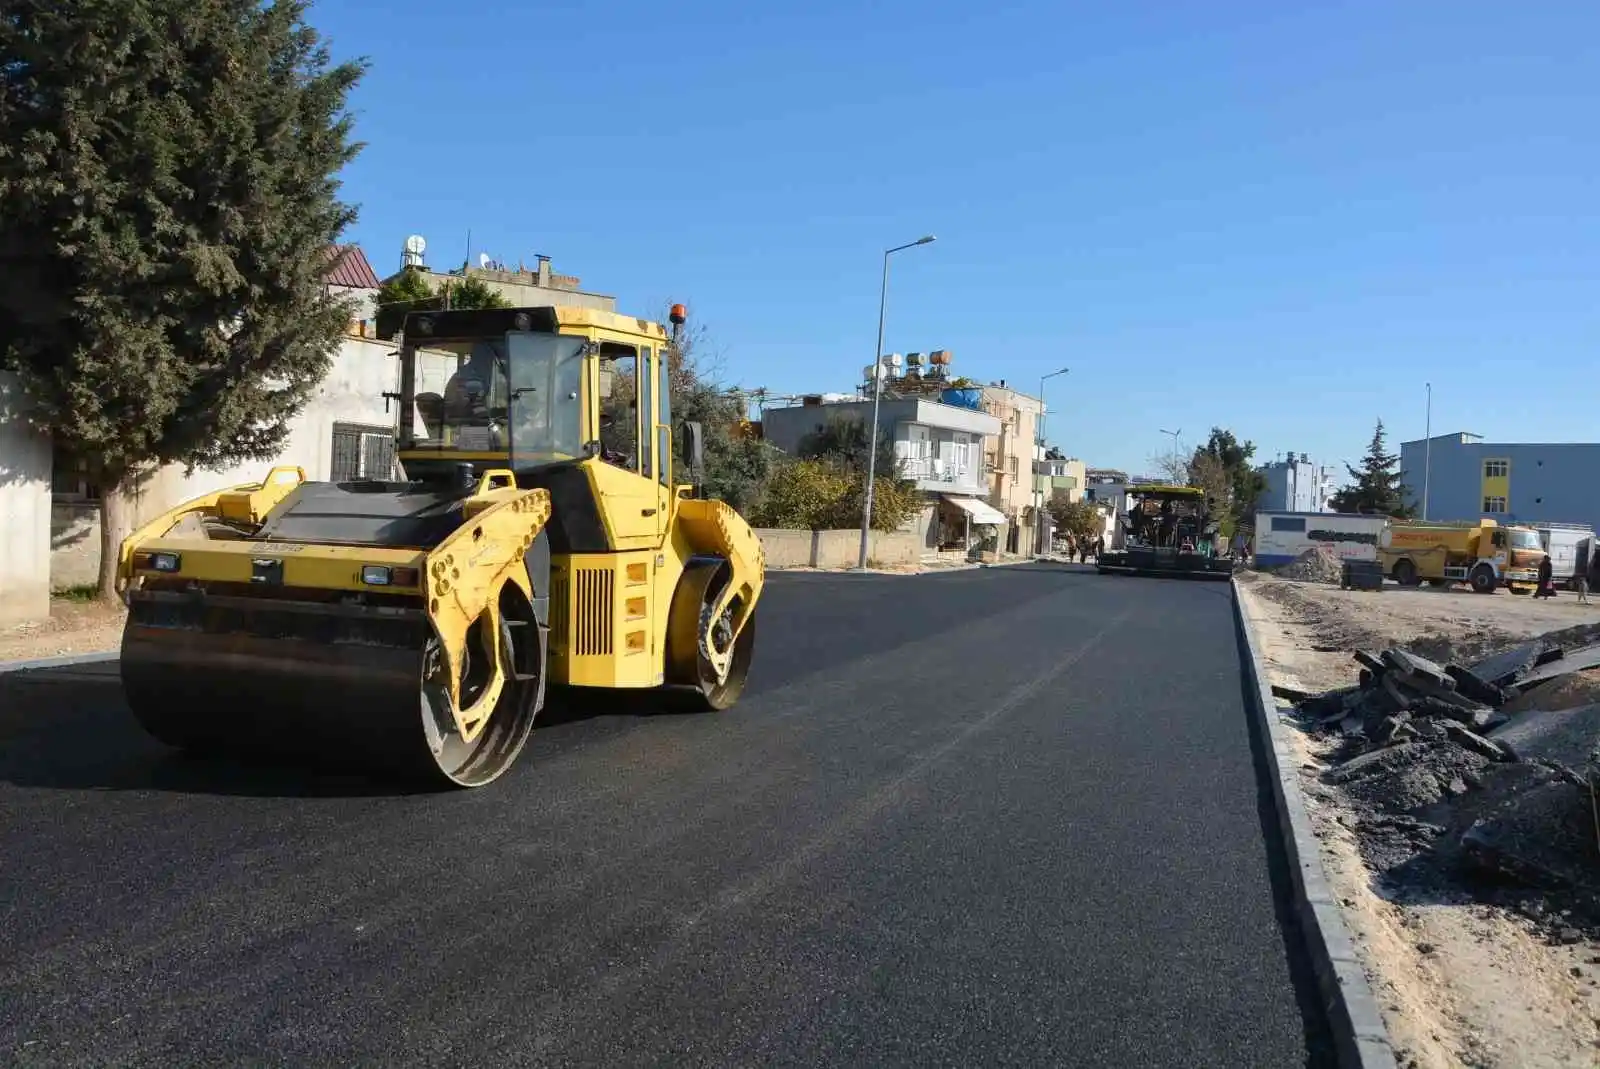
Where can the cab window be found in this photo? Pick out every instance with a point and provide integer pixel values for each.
(619, 408)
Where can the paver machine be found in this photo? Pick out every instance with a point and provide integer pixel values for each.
(1166, 531)
(536, 534)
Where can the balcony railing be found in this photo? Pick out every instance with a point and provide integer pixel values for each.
(927, 469)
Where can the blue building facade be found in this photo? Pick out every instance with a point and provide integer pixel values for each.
(1294, 486)
(1468, 479)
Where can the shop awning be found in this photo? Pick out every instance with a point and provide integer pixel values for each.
(980, 511)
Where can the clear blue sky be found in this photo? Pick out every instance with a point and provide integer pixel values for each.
(1277, 220)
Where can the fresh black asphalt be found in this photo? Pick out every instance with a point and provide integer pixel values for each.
(999, 817)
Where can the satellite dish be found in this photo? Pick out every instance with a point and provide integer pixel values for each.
(483, 259)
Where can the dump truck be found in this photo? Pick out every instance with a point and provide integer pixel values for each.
(1166, 530)
(412, 627)
(1482, 553)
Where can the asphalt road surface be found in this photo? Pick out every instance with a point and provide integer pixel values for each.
(1008, 816)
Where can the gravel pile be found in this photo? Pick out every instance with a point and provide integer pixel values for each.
(1315, 565)
(1460, 781)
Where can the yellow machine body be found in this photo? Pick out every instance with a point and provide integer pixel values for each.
(415, 625)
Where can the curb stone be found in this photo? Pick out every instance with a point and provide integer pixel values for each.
(1360, 1037)
(59, 662)
(968, 567)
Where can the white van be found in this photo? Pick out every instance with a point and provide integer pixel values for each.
(1561, 542)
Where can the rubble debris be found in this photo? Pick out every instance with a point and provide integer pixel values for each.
(1571, 661)
(1315, 565)
(1562, 692)
(1461, 779)
(1470, 684)
(1543, 838)
(1508, 668)
(1569, 737)
(1471, 740)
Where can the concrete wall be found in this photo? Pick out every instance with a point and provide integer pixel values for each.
(74, 544)
(836, 549)
(24, 511)
(1555, 483)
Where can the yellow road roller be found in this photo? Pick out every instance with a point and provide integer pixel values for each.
(533, 532)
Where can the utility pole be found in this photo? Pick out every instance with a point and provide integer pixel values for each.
(1427, 451)
(877, 395)
(1175, 459)
(1040, 503)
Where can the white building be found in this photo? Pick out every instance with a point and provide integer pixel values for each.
(50, 513)
(939, 447)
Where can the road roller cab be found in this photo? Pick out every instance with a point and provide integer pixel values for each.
(537, 535)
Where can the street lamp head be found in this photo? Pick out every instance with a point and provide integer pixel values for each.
(928, 240)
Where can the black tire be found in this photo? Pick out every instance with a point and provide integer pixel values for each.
(1405, 573)
(1483, 580)
(497, 746)
(708, 695)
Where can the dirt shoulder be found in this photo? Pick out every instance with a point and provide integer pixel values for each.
(74, 627)
(1460, 982)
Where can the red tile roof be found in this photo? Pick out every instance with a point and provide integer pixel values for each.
(348, 267)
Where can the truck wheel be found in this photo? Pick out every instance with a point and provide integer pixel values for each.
(1483, 581)
(1405, 573)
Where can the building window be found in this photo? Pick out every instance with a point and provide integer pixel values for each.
(1296, 524)
(71, 482)
(362, 451)
(1011, 463)
(1494, 504)
(1496, 469)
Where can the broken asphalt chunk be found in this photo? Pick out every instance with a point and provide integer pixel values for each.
(1471, 685)
(1421, 667)
(1372, 661)
(1504, 669)
(1471, 740)
(1290, 694)
(1393, 729)
(1423, 684)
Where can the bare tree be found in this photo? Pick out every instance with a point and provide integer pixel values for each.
(1171, 467)
(1210, 474)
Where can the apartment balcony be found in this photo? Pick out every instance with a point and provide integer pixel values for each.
(941, 476)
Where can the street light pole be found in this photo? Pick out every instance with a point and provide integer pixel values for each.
(1174, 471)
(1427, 452)
(1038, 489)
(877, 395)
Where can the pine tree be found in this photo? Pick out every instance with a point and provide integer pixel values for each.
(168, 197)
(1376, 487)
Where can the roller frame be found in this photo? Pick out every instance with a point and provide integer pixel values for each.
(462, 580)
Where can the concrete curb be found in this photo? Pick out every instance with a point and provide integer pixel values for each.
(973, 566)
(58, 662)
(1358, 1029)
